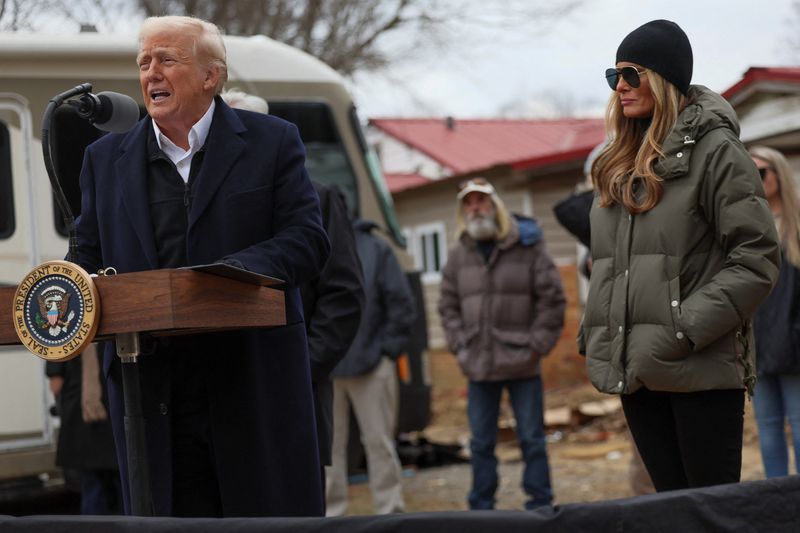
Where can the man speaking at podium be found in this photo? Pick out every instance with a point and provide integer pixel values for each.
(229, 417)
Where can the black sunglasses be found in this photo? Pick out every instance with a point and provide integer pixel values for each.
(629, 74)
(762, 171)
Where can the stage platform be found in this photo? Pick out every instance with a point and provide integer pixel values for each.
(757, 506)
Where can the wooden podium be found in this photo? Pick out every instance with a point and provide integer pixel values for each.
(160, 303)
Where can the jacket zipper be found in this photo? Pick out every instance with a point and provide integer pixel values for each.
(624, 356)
(187, 204)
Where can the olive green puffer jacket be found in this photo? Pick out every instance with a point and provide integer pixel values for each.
(672, 289)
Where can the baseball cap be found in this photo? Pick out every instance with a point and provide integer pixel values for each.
(474, 185)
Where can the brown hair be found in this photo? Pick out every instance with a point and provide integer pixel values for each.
(634, 148)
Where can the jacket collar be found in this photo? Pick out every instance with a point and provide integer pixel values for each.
(223, 147)
(704, 112)
(223, 141)
(131, 174)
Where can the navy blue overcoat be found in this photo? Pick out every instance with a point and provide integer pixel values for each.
(253, 203)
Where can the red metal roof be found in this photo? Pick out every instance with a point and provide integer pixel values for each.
(401, 182)
(473, 145)
(756, 74)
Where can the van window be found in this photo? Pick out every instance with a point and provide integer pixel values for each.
(7, 224)
(326, 157)
(378, 182)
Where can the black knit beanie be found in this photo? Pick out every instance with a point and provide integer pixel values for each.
(662, 46)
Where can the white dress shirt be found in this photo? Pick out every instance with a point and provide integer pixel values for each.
(197, 137)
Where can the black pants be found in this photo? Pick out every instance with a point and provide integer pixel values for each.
(689, 439)
(195, 485)
(195, 488)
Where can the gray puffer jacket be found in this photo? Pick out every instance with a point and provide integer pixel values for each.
(672, 290)
(500, 316)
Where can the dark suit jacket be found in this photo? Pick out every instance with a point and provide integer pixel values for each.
(80, 446)
(253, 204)
(332, 304)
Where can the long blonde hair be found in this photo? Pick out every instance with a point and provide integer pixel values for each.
(634, 148)
(790, 217)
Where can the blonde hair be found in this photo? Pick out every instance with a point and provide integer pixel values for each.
(790, 217)
(208, 46)
(635, 147)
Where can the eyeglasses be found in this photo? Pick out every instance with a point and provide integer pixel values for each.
(629, 74)
(762, 171)
(474, 181)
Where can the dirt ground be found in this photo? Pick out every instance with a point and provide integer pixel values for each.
(590, 454)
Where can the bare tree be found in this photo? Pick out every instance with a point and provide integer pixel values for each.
(367, 35)
(100, 15)
(61, 16)
(18, 15)
(791, 44)
(342, 33)
(349, 35)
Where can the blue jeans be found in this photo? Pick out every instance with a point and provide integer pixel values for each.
(777, 397)
(483, 409)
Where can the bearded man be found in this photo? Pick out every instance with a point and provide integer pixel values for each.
(502, 309)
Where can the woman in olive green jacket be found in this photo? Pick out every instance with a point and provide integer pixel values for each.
(684, 249)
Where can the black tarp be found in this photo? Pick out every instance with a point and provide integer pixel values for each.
(756, 506)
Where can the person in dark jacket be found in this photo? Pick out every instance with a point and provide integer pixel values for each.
(776, 324)
(502, 307)
(332, 306)
(684, 250)
(229, 416)
(85, 443)
(332, 302)
(366, 378)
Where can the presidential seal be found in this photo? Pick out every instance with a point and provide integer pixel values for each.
(56, 310)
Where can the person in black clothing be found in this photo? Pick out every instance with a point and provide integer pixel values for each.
(85, 443)
(229, 415)
(332, 306)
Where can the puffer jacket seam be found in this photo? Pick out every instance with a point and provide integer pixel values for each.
(732, 303)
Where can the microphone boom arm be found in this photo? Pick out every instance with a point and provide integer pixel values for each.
(61, 198)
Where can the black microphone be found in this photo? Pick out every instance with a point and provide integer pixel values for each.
(108, 111)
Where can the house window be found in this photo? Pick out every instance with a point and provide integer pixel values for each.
(428, 246)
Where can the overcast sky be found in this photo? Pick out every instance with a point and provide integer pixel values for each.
(563, 70)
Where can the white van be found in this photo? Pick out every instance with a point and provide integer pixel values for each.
(33, 69)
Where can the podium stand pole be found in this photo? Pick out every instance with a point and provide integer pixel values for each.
(135, 442)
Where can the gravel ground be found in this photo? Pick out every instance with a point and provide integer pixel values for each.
(589, 458)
